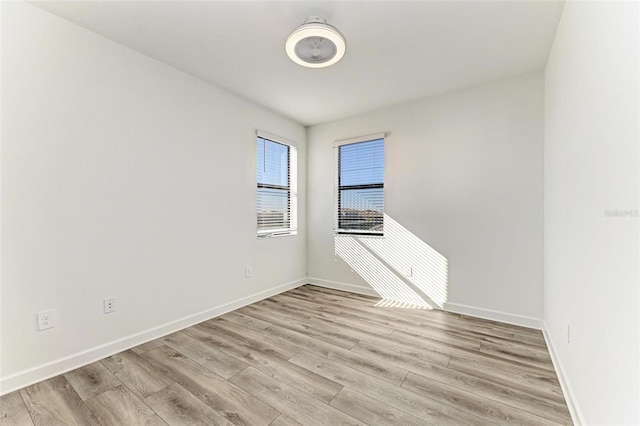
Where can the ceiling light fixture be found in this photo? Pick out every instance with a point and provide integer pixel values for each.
(315, 44)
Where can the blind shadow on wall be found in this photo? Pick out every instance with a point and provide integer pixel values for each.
(404, 270)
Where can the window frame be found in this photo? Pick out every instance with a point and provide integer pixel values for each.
(339, 188)
(290, 188)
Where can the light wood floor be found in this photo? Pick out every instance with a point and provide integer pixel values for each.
(311, 356)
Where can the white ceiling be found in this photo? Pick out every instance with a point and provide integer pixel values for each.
(397, 51)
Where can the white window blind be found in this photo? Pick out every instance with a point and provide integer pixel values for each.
(276, 195)
(360, 187)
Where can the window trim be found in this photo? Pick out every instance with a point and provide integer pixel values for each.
(291, 188)
(338, 188)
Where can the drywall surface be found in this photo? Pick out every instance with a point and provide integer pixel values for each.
(463, 182)
(123, 177)
(591, 208)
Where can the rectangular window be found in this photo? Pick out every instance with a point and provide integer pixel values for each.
(360, 186)
(276, 179)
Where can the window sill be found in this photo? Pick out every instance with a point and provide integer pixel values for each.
(358, 235)
(268, 236)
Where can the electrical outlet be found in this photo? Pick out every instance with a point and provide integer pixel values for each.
(409, 271)
(46, 319)
(109, 305)
(248, 272)
(568, 333)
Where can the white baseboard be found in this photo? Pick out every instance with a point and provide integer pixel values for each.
(567, 389)
(515, 319)
(41, 372)
(352, 288)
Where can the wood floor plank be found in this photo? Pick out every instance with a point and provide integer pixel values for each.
(433, 314)
(524, 401)
(238, 406)
(498, 340)
(266, 315)
(321, 293)
(373, 303)
(178, 407)
(283, 420)
(426, 409)
(521, 354)
(293, 301)
(466, 326)
(405, 360)
(431, 323)
(442, 338)
(119, 406)
(316, 288)
(233, 344)
(529, 383)
(298, 406)
(444, 335)
(13, 411)
(332, 316)
(302, 307)
(446, 320)
(215, 360)
(136, 373)
(55, 402)
(283, 313)
(328, 316)
(439, 332)
(140, 349)
(445, 342)
(338, 319)
(337, 329)
(92, 380)
(324, 326)
(406, 356)
(253, 338)
(372, 311)
(495, 360)
(372, 411)
(517, 329)
(332, 334)
(299, 378)
(375, 318)
(417, 352)
(366, 303)
(519, 367)
(487, 409)
(351, 359)
(246, 320)
(328, 299)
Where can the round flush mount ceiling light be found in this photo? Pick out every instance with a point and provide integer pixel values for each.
(315, 44)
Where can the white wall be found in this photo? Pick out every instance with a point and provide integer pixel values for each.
(463, 175)
(591, 166)
(122, 177)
